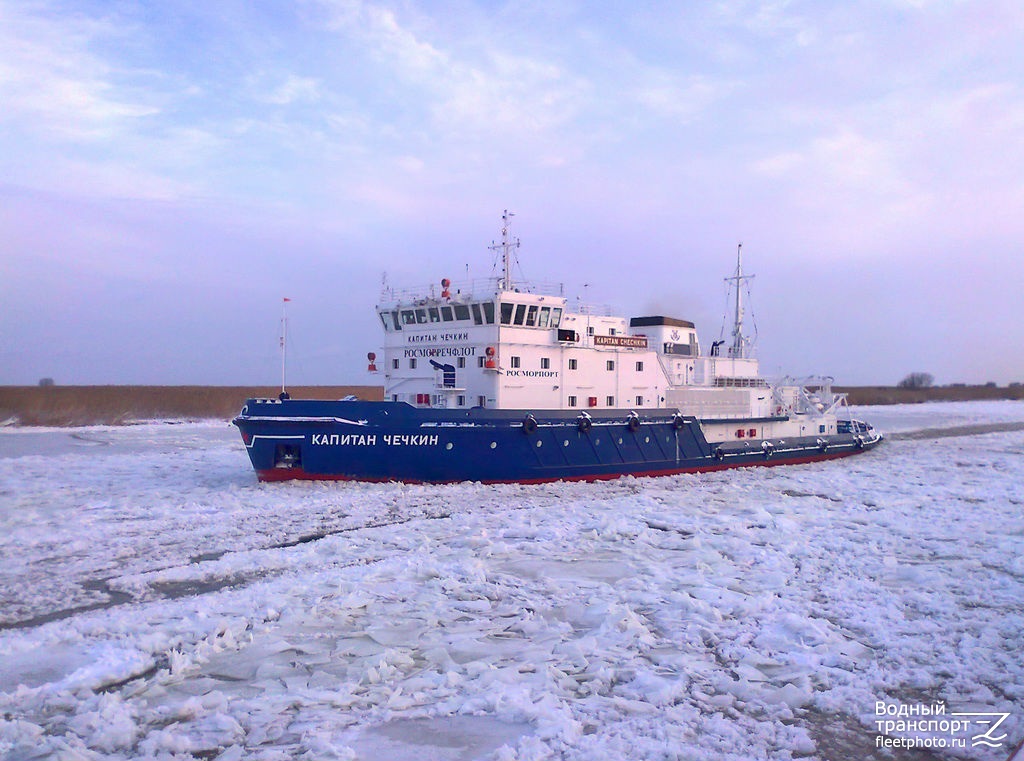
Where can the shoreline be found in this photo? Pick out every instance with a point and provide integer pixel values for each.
(69, 406)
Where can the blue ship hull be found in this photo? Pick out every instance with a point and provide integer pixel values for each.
(393, 441)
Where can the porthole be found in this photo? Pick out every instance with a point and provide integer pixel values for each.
(449, 445)
(494, 445)
(565, 443)
(540, 444)
(647, 439)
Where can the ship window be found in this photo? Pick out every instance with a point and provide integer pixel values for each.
(408, 317)
(609, 365)
(461, 312)
(610, 401)
(545, 363)
(515, 362)
(396, 319)
(412, 363)
(461, 400)
(506, 313)
(573, 364)
(446, 314)
(384, 320)
(531, 315)
(639, 401)
(545, 317)
(520, 314)
(478, 317)
(394, 364)
(394, 397)
(612, 331)
(556, 316)
(488, 312)
(639, 367)
(590, 330)
(481, 401)
(460, 362)
(480, 361)
(572, 401)
(435, 314)
(421, 316)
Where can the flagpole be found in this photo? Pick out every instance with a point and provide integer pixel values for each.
(284, 345)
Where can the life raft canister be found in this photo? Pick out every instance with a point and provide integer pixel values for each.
(489, 362)
(371, 358)
(445, 285)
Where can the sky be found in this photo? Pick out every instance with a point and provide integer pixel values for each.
(169, 171)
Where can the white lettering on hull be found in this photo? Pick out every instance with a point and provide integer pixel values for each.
(370, 440)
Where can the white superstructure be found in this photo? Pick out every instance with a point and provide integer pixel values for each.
(498, 343)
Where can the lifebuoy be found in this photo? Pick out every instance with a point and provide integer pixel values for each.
(584, 423)
(633, 424)
(529, 424)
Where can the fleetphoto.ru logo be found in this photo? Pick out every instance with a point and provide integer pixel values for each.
(932, 726)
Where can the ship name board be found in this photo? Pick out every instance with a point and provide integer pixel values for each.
(629, 342)
(531, 373)
(370, 439)
(442, 351)
(430, 338)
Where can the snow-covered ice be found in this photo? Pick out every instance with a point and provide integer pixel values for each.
(157, 602)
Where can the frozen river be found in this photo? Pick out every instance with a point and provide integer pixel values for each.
(157, 602)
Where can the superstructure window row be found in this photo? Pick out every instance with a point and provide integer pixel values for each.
(481, 313)
(530, 315)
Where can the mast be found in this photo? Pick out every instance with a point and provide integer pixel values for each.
(506, 247)
(284, 344)
(740, 343)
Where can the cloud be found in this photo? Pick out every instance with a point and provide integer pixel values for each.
(50, 81)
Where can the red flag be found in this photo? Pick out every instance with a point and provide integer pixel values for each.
(286, 299)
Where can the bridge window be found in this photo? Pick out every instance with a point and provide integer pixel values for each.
(435, 314)
(520, 314)
(408, 317)
(488, 312)
(556, 316)
(545, 317)
(461, 312)
(478, 317)
(421, 316)
(506, 313)
(446, 314)
(531, 315)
